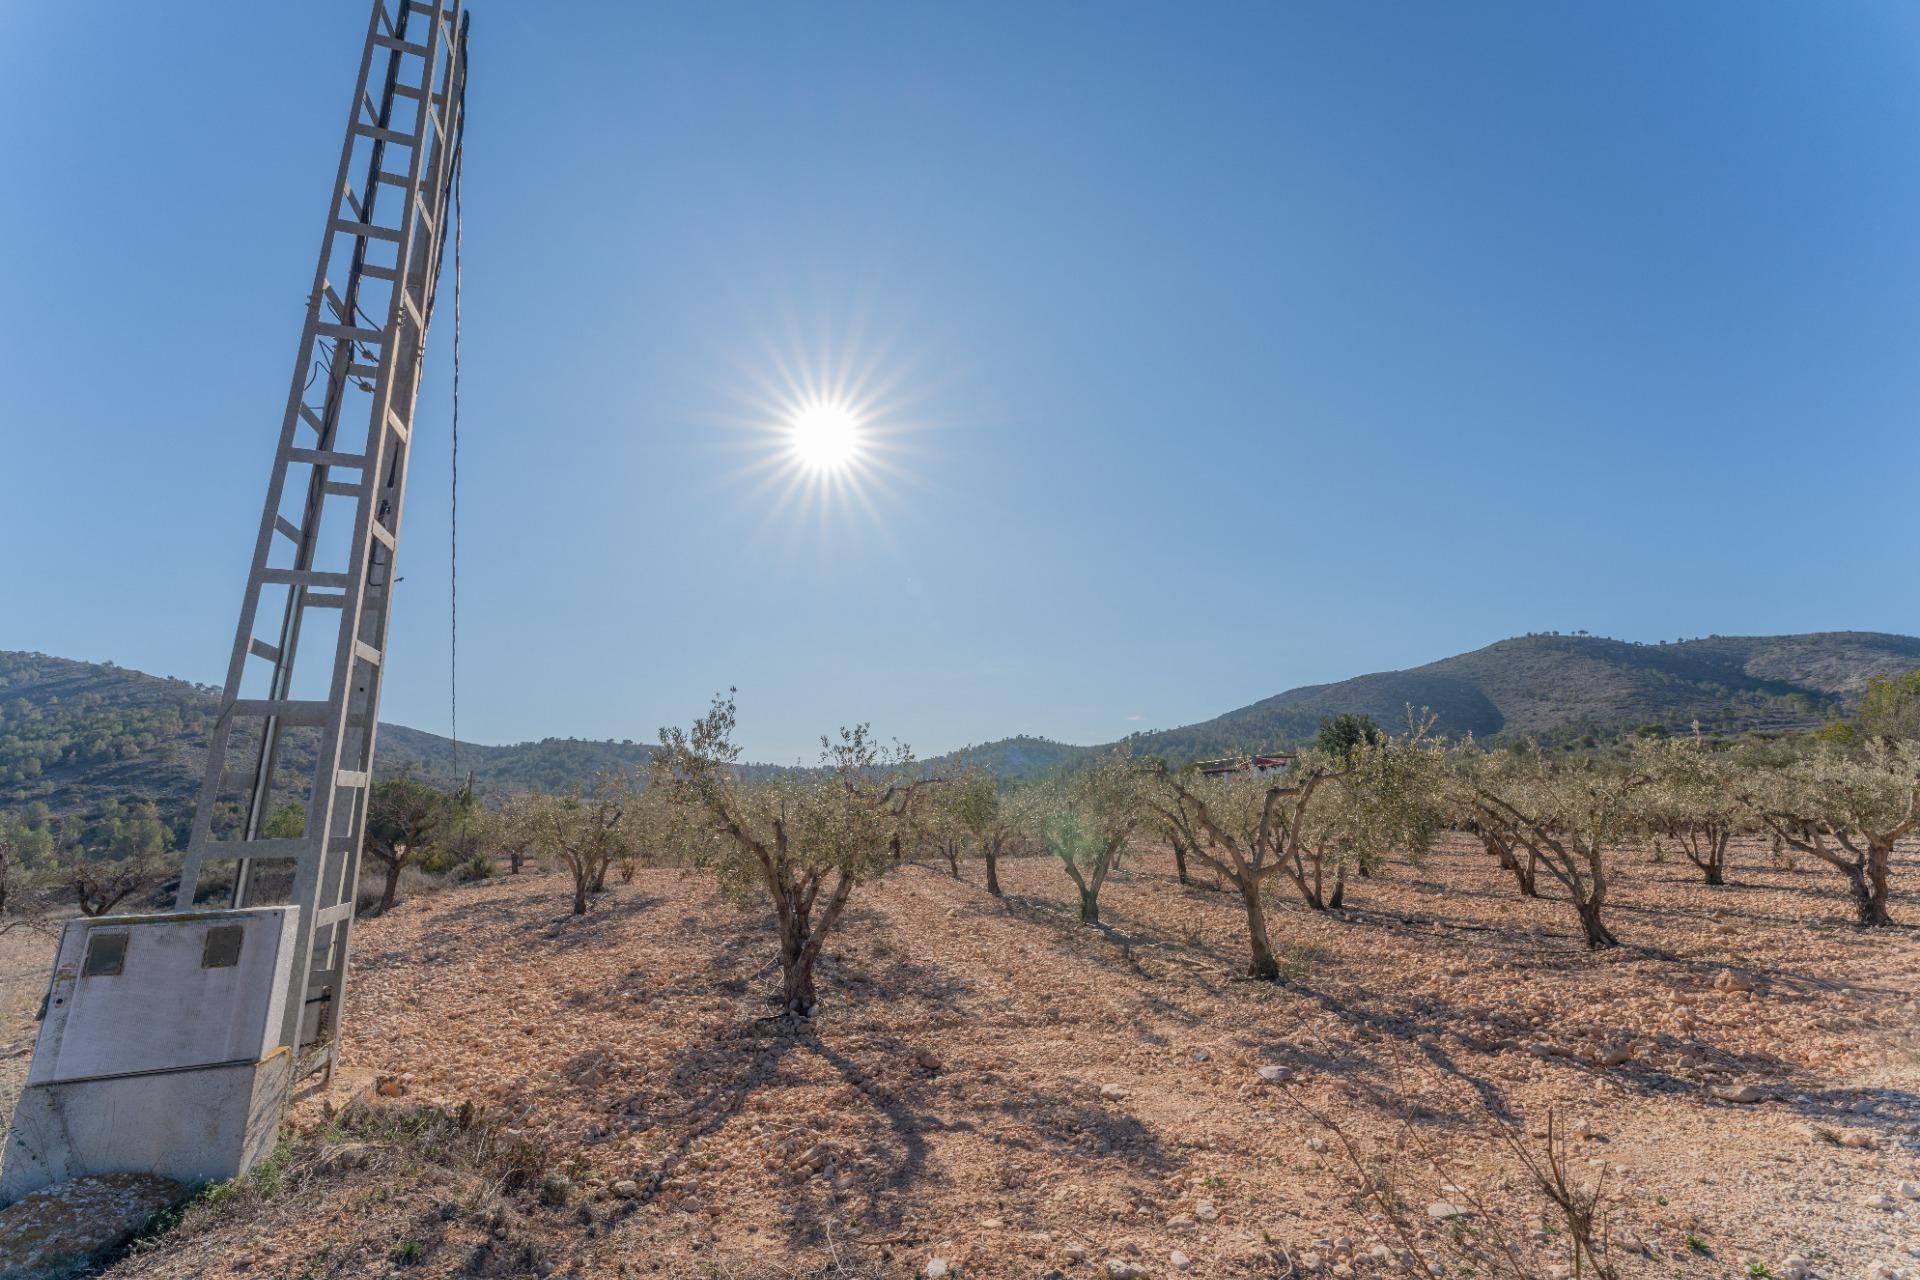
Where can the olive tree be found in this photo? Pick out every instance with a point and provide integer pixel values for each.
(1172, 823)
(1383, 798)
(805, 840)
(941, 830)
(995, 820)
(1846, 808)
(403, 814)
(1689, 799)
(1085, 821)
(583, 831)
(1469, 810)
(515, 830)
(1328, 812)
(1243, 841)
(1569, 815)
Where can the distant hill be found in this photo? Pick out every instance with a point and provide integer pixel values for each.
(74, 735)
(1557, 688)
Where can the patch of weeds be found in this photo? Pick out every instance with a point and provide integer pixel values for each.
(407, 1253)
(372, 1152)
(1758, 1270)
(219, 1200)
(1696, 1245)
(1297, 961)
(1384, 1190)
(531, 1256)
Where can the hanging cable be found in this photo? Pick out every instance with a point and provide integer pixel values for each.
(453, 538)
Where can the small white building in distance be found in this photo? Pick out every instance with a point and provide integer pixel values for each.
(1260, 766)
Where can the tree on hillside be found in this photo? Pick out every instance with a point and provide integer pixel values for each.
(1890, 707)
(99, 884)
(1569, 815)
(584, 832)
(793, 838)
(1847, 809)
(403, 814)
(19, 896)
(1085, 820)
(288, 822)
(1340, 736)
(120, 831)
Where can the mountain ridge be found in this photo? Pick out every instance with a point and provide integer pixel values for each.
(1555, 687)
(74, 734)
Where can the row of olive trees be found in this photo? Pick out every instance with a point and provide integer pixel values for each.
(1846, 806)
(802, 843)
(1347, 804)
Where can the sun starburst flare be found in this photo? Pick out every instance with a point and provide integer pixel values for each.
(825, 436)
(827, 439)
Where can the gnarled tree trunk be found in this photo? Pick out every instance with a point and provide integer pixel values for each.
(801, 939)
(1597, 934)
(1869, 886)
(1261, 964)
(1706, 848)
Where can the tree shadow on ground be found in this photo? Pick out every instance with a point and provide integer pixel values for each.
(1419, 1036)
(882, 971)
(870, 1176)
(1838, 1106)
(532, 922)
(1447, 928)
(1131, 938)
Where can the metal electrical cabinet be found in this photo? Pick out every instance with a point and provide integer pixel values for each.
(160, 1050)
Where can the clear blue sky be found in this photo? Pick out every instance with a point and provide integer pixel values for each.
(1224, 348)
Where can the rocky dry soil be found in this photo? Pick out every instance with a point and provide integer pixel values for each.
(26, 960)
(993, 1090)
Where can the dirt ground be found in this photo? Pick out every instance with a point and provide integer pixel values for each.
(26, 961)
(992, 1085)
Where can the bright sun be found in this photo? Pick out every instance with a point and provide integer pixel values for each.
(825, 436)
